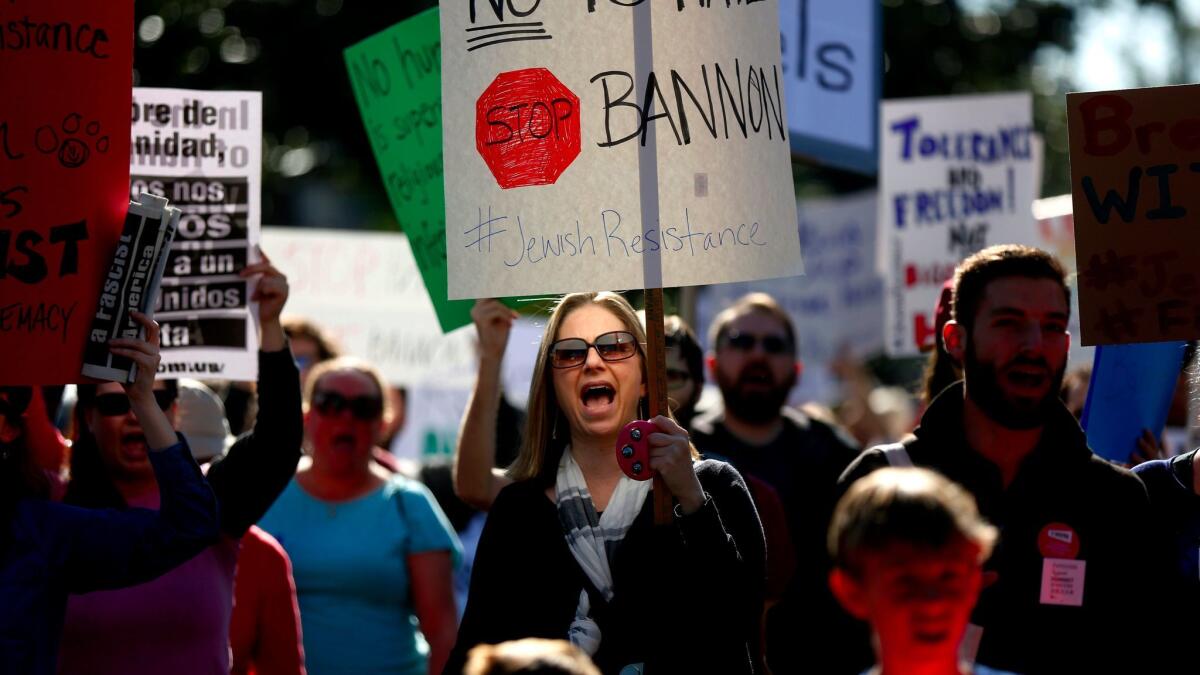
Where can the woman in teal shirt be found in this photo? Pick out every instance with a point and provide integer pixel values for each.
(370, 551)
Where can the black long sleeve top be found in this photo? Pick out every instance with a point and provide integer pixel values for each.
(688, 595)
(1060, 485)
(263, 460)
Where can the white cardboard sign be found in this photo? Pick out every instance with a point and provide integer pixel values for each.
(561, 122)
(837, 305)
(202, 150)
(957, 176)
(365, 289)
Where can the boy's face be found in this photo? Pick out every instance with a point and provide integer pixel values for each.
(918, 602)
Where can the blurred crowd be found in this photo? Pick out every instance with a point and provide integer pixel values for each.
(957, 525)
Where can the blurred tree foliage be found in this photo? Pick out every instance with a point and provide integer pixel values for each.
(317, 166)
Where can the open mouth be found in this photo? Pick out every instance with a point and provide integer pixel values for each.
(597, 396)
(343, 442)
(133, 443)
(931, 637)
(1028, 378)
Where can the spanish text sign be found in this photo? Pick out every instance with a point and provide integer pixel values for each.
(64, 100)
(202, 150)
(1133, 177)
(546, 112)
(958, 175)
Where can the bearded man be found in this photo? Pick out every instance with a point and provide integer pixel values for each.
(788, 458)
(1061, 588)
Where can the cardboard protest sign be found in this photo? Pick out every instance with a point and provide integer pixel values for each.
(832, 61)
(436, 405)
(1132, 179)
(1056, 234)
(837, 305)
(65, 69)
(202, 150)
(1131, 390)
(130, 285)
(542, 147)
(957, 176)
(397, 77)
(365, 289)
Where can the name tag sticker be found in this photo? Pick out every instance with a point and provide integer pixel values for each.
(1062, 582)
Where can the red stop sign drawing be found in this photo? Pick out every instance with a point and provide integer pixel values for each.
(527, 127)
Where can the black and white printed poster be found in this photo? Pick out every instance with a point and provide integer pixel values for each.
(202, 150)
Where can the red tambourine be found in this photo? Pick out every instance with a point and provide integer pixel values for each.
(633, 449)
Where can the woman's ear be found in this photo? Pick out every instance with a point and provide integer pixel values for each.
(89, 420)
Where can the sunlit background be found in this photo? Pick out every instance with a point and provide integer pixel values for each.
(317, 166)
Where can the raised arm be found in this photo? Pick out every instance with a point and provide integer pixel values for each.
(260, 464)
(106, 548)
(476, 482)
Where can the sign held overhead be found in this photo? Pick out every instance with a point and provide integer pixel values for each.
(543, 184)
(1133, 177)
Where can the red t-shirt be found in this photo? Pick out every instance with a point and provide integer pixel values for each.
(264, 631)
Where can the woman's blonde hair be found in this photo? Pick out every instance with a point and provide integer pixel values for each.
(350, 363)
(543, 443)
(531, 655)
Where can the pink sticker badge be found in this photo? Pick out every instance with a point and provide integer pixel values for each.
(1062, 582)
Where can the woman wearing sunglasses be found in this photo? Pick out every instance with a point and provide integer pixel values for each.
(179, 623)
(370, 550)
(570, 549)
(48, 550)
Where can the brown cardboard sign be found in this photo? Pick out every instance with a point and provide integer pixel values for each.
(1135, 185)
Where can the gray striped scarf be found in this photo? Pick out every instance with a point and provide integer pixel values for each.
(593, 539)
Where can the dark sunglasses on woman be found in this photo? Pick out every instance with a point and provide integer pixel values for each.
(572, 352)
(112, 405)
(364, 408)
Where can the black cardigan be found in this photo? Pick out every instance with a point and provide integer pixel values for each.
(688, 596)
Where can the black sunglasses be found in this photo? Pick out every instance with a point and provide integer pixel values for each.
(113, 405)
(771, 344)
(572, 352)
(364, 408)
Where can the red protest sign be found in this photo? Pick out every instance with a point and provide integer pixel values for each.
(1133, 183)
(65, 93)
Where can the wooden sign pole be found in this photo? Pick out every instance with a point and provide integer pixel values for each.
(656, 376)
(656, 359)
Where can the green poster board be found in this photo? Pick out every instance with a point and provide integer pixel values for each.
(397, 80)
